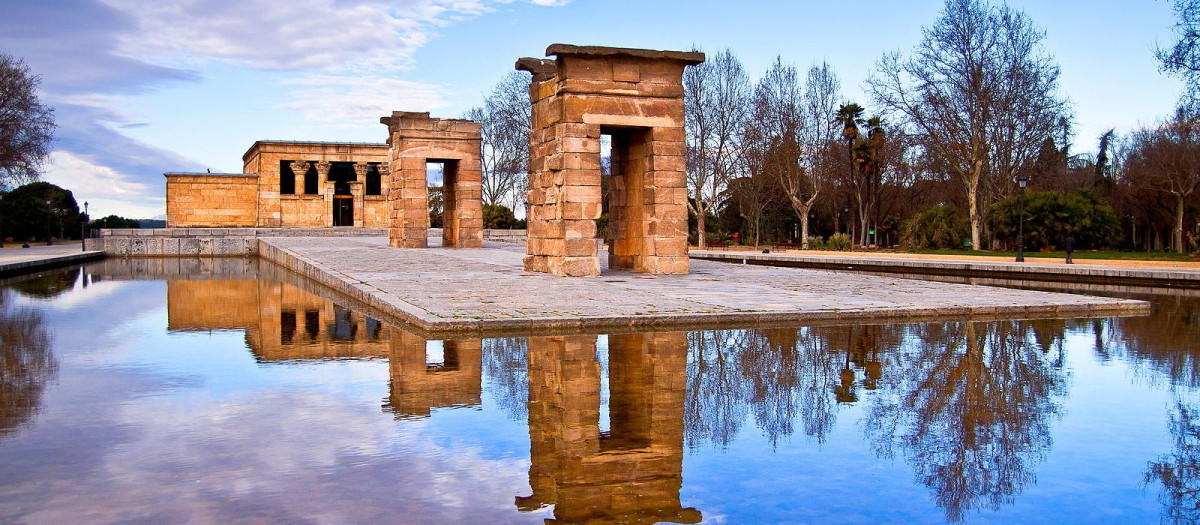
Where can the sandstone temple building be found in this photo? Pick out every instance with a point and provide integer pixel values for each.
(287, 184)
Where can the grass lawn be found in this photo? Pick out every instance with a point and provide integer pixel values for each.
(1126, 256)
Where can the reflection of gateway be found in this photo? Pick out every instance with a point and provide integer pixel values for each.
(633, 473)
(432, 374)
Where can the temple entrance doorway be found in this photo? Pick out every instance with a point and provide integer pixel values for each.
(343, 210)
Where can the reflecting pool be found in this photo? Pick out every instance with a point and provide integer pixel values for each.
(215, 390)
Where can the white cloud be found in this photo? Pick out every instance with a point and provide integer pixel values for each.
(89, 180)
(293, 35)
(350, 101)
(107, 190)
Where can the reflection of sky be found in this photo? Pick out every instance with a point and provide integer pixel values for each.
(187, 426)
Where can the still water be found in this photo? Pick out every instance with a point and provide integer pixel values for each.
(228, 390)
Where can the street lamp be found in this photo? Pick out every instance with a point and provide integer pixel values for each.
(83, 228)
(49, 223)
(846, 212)
(1022, 180)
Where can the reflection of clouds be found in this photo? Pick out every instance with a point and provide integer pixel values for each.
(285, 455)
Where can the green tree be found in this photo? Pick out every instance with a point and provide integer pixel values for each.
(38, 210)
(1050, 216)
(498, 217)
(114, 221)
(935, 227)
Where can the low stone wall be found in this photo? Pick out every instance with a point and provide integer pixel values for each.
(233, 242)
(212, 242)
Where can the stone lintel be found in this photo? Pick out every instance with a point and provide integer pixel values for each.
(566, 50)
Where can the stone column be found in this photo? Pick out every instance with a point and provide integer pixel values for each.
(358, 188)
(322, 180)
(299, 168)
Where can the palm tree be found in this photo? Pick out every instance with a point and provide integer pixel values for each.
(850, 116)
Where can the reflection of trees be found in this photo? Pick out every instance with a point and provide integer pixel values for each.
(1166, 343)
(26, 364)
(505, 366)
(1166, 347)
(970, 410)
(777, 376)
(714, 409)
(49, 284)
(1179, 471)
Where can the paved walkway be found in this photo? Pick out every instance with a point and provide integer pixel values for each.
(476, 289)
(20, 260)
(1151, 273)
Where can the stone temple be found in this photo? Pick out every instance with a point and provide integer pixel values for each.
(633, 96)
(287, 184)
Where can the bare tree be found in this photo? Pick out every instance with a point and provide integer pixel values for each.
(1166, 159)
(979, 93)
(793, 131)
(505, 122)
(26, 126)
(1183, 58)
(715, 104)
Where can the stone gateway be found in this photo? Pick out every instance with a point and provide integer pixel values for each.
(636, 97)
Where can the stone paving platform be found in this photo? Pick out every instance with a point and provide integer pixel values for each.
(25, 260)
(1030, 269)
(454, 290)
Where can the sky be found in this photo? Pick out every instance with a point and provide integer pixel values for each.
(142, 87)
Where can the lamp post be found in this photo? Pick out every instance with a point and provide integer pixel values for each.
(83, 228)
(846, 212)
(49, 223)
(1022, 180)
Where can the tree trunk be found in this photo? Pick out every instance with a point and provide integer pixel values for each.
(973, 211)
(757, 220)
(804, 230)
(1177, 238)
(700, 216)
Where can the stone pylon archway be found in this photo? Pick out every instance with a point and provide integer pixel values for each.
(636, 97)
(414, 141)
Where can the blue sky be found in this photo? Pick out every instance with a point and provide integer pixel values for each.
(141, 88)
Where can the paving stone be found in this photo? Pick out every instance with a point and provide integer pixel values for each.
(481, 288)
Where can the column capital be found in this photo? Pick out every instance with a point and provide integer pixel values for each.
(299, 166)
(361, 169)
(384, 169)
(323, 169)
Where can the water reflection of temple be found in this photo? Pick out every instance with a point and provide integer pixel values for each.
(283, 322)
(631, 473)
(432, 374)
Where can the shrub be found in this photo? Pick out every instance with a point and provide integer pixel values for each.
(840, 242)
(1050, 216)
(934, 227)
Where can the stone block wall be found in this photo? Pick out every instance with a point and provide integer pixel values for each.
(211, 199)
(416, 139)
(636, 96)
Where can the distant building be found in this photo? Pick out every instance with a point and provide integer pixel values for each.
(287, 184)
